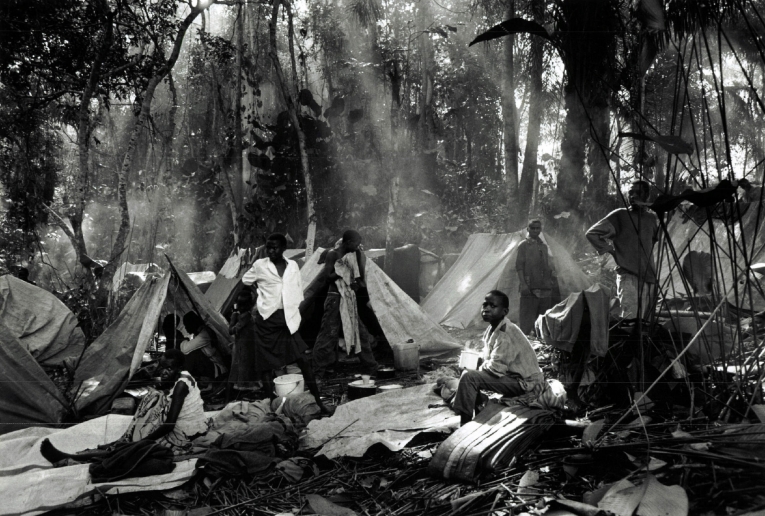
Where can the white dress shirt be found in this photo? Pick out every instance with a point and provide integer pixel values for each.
(276, 292)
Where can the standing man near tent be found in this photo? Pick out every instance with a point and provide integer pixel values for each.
(510, 366)
(279, 291)
(535, 275)
(629, 234)
(344, 271)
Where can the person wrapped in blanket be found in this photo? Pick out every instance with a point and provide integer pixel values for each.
(172, 418)
(510, 366)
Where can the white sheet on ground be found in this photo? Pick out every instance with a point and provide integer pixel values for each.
(29, 485)
(392, 418)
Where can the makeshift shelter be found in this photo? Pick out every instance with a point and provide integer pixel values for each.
(43, 325)
(713, 262)
(399, 317)
(487, 262)
(110, 361)
(27, 396)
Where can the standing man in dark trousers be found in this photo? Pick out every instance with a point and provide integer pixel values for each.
(536, 276)
(279, 291)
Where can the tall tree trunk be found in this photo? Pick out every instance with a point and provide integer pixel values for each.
(76, 214)
(236, 182)
(530, 172)
(130, 152)
(295, 120)
(597, 154)
(572, 149)
(510, 131)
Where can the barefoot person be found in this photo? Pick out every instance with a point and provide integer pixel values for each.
(510, 366)
(172, 419)
(277, 319)
(344, 272)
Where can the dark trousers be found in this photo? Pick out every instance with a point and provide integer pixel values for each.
(529, 309)
(325, 349)
(471, 383)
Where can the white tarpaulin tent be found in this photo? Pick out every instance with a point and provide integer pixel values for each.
(487, 262)
(399, 316)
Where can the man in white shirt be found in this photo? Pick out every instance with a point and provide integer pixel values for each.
(279, 291)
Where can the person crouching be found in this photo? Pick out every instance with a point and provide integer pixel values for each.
(509, 367)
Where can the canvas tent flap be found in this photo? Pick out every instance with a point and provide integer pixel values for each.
(487, 262)
(194, 299)
(43, 325)
(399, 316)
(27, 396)
(116, 354)
(744, 238)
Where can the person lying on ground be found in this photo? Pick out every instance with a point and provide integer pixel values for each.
(510, 366)
(279, 292)
(203, 360)
(172, 417)
(345, 259)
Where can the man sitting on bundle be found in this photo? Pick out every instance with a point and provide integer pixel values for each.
(509, 367)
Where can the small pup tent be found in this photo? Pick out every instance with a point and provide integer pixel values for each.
(110, 361)
(487, 262)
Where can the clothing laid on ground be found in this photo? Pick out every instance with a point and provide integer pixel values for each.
(632, 232)
(533, 263)
(276, 292)
(243, 370)
(510, 367)
(202, 359)
(152, 414)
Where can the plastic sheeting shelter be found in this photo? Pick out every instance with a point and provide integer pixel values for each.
(399, 316)
(27, 396)
(737, 242)
(43, 325)
(110, 361)
(487, 262)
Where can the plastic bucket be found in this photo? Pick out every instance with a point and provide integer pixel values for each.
(469, 359)
(289, 385)
(406, 356)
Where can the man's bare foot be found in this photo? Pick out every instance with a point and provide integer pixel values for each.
(51, 453)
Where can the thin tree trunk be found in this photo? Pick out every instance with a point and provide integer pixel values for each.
(236, 183)
(597, 153)
(510, 114)
(130, 152)
(294, 119)
(83, 141)
(530, 172)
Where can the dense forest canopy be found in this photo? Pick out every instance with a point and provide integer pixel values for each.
(131, 129)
